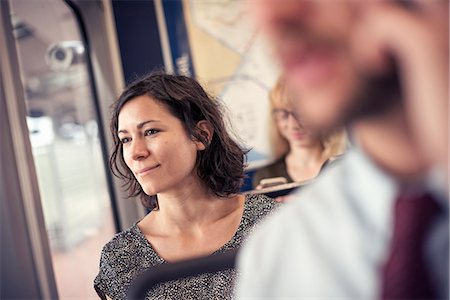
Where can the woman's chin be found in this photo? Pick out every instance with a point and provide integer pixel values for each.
(149, 191)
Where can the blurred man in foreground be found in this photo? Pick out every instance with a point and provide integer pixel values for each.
(375, 225)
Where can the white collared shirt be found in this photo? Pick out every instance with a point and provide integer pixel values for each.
(331, 240)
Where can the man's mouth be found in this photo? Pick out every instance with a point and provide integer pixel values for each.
(311, 66)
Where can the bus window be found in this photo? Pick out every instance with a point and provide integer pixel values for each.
(64, 134)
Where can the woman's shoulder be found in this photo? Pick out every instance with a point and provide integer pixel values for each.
(127, 245)
(122, 258)
(121, 248)
(331, 161)
(258, 205)
(121, 241)
(256, 208)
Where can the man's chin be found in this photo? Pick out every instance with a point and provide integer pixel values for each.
(376, 94)
(325, 109)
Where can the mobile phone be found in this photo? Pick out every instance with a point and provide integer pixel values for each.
(269, 182)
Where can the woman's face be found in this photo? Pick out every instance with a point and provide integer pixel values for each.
(156, 147)
(291, 129)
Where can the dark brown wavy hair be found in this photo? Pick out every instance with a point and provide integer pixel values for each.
(220, 166)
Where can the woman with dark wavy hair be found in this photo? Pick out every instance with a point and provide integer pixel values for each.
(172, 149)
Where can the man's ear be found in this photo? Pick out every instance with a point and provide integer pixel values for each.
(205, 129)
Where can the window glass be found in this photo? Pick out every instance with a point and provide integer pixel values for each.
(64, 135)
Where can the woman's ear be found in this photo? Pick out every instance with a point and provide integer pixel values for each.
(205, 129)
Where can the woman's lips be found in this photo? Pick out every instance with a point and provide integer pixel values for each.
(146, 170)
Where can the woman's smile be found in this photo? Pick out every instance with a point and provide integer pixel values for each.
(147, 170)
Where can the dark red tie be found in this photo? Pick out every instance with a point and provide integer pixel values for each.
(405, 274)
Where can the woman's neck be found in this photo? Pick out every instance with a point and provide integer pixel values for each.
(300, 155)
(191, 207)
(304, 163)
(191, 222)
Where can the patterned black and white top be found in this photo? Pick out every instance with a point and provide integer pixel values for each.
(129, 253)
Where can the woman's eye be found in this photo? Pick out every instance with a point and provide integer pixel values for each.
(124, 140)
(151, 131)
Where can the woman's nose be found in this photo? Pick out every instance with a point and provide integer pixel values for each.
(138, 149)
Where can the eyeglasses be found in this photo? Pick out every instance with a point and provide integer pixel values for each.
(282, 115)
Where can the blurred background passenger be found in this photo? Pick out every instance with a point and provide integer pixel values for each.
(302, 153)
(172, 149)
(376, 225)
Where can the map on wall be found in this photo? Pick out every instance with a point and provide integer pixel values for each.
(232, 61)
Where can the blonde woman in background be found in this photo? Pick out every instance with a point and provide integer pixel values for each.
(302, 153)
